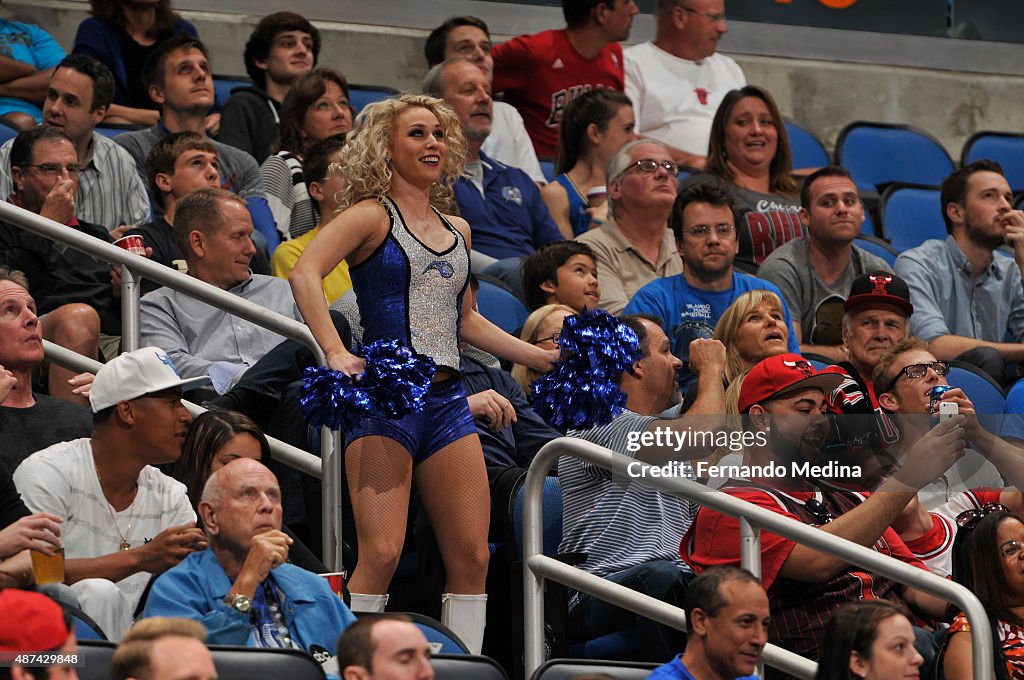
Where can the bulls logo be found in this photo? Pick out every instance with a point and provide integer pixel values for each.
(443, 267)
(702, 96)
(881, 282)
(802, 366)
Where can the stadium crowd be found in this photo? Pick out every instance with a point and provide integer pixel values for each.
(673, 204)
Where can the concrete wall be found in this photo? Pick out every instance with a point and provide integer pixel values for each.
(936, 84)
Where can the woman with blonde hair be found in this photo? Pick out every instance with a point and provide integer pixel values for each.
(542, 329)
(752, 328)
(409, 264)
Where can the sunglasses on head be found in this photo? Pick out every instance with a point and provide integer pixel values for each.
(968, 518)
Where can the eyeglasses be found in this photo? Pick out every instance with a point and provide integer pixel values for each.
(553, 338)
(968, 518)
(649, 166)
(702, 230)
(915, 371)
(53, 169)
(713, 18)
(820, 512)
(1011, 549)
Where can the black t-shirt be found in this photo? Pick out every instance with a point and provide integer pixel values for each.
(12, 508)
(31, 429)
(135, 56)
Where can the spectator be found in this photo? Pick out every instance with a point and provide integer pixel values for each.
(749, 155)
(110, 193)
(216, 438)
(323, 178)
(123, 36)
(628, 530)
(28, 56)
(986, 559)
(73, 290)
(375, 238)
(540, 74)
(904, 378)
(179, 79)
(727, 621)
(966, 300)
(29, 421)
(752, 328)
(564, 273)
(785, 398)
(384, 647)
(123, 518)
(542, 329)
(162, 648)
(815, 273)
(508, 142)
(870, 640)
(678, 80)
(282, 47)
(502, 203)
(635, 245)
(315, 108)
(595, 125)
(704, 223)
(43, 629)
(241, 588)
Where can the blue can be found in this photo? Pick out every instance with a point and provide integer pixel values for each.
(935, 396)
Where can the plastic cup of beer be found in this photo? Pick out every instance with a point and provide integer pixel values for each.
(132, 244)
(48, 568)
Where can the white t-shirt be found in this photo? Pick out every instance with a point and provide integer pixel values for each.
(510, 144)
(62, 479)
(675, 99)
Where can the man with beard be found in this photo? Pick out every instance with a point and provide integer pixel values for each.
(783, 398)
(691, 303)
(966, 300)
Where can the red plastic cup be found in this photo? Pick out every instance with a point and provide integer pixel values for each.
(133, 244)
(336, 580)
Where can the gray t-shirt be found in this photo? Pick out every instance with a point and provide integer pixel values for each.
(31, 429)
(818, 306)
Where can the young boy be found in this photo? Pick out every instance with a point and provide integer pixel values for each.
(563, 272)
(323, 182)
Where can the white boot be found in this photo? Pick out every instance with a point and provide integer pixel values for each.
(466, 616)
(369, 604)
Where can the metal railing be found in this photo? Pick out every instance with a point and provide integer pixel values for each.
(329, 463)
(752, 520)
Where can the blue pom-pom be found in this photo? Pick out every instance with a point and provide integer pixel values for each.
(393, 385)
(582, 391)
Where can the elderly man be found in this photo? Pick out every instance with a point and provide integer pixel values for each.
(110, 193)
(123, 519)
(540, 74)
(629, 530)
(967, 301)
(384, 647)
(162, 648)
(509, 218)
(815, 273)
(635, 246)
(678, 80)
(36, 624)
(242, 589)
(704, 224)
(508, 142)
(727, 621)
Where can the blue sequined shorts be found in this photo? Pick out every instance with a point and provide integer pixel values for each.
(445, 419)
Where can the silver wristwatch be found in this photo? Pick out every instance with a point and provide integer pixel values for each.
(240, 602)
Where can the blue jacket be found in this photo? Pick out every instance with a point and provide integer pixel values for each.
(509, 219)
(196, 589)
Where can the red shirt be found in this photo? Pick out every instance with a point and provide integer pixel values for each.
(540, 74)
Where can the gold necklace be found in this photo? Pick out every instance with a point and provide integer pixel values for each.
(125, 544)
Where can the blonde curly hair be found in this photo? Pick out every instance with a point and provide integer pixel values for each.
(364, 156)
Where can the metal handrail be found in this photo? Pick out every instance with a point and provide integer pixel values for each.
(752, 520)
(329, 463)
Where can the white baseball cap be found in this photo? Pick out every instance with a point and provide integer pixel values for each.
(136, 374)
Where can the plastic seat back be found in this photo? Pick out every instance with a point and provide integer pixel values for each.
(877, 154)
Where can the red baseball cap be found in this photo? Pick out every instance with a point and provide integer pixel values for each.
(779, 375)
(40, 622)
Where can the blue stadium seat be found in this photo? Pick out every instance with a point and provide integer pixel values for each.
(500, 306)
(222, 86)
(805, 147)
(989, 399)
(877, 154)
(112, 130)
(1013, 413)
(252, 663)
(7, 132)
(361, 95)
(877, 246)
(566, 669)
(1006, 148)
(442, 639)
(466, 667)
(94, 659)
(911, 215)
(552, 508)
